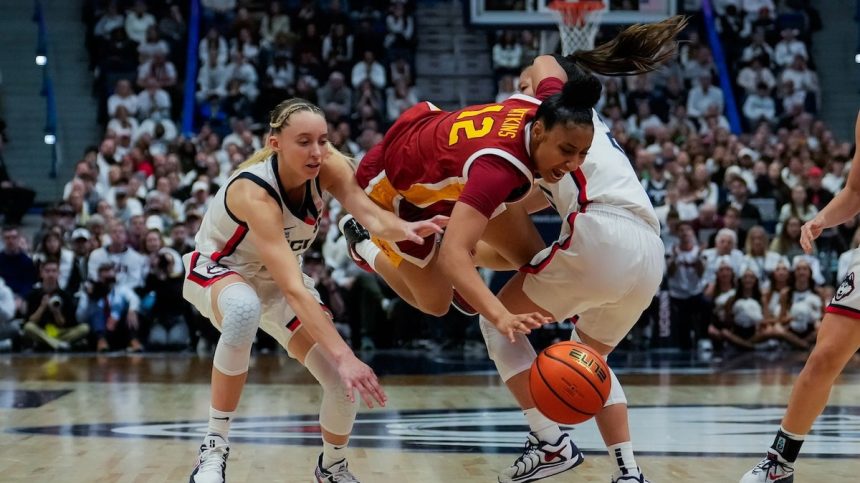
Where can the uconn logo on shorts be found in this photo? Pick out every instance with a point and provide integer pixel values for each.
(845, 288)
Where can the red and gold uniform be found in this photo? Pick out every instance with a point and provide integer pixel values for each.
(430, 159)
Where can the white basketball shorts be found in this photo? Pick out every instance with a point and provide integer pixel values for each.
(846, 301)
(605, 272)
(277, 317)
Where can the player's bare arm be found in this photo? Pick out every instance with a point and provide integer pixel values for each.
(465, 229)
(337, 177)
(844, 206)
(543, 67)
(258, 209)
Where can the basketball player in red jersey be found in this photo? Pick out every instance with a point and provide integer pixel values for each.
(470, 162)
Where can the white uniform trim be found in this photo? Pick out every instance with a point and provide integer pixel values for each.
(526, 97)
(502, 154)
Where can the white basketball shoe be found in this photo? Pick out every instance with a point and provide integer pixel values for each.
(770, 470)
(542, 459)
(211, 461)
(336, 473)
(629, 478)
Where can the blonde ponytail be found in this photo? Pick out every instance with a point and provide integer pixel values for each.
(278, 119)
(333, 152)
(258, 157)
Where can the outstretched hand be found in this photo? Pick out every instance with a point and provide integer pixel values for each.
(809, 232)
(417, 231)
(512, 324)
(357, 375)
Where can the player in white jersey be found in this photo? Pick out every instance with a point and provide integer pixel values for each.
(246, 273)
(838, 341)
(603, 271)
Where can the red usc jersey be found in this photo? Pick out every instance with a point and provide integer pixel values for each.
(422, 164)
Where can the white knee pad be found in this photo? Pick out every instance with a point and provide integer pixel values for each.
(511, 359)
(337, 414)
(240, 317)
(616, 393)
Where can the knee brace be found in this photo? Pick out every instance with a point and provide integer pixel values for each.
(511, 359)
(337, 414)
(616, 393)
(240, 317)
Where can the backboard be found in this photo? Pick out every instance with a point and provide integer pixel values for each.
(536, 13)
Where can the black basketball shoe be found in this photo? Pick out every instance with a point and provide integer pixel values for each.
(354, 234)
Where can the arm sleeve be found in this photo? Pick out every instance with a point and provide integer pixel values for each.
(491, 182)
(548, 87)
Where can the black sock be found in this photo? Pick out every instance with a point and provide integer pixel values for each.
(786, 445)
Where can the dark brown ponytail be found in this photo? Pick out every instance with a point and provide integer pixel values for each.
(637, 49)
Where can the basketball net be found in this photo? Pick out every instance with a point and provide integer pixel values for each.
(578, 22)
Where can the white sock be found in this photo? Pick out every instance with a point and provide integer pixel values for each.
(622, 454)
(542, 427)
(797, 437)
(368, 251)
(219, 421)
(332, 454)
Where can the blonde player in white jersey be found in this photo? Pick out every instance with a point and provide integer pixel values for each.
(838, 340)
(246, 273)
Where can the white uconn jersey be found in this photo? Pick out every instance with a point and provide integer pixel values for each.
(605, 177)
(222, 237)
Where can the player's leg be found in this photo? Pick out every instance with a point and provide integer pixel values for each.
(427, 288)
(549, 451)
(581, 280)
(602, 329)
(518, 250)
(235, 310)
(604, 326)
(337, 413)
(838, 341)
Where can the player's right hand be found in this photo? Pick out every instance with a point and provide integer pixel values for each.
(809, 232)
(512, 324)
(357, 375)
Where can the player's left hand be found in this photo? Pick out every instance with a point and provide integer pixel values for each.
(809, 232)
(417, 231)
(512, 324)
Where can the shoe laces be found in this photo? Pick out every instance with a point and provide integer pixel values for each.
(768, 464)
(530, 457)
(340, 474)
(212, 458)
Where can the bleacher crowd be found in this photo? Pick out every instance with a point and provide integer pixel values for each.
(104, 271)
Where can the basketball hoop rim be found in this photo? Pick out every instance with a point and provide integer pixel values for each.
(576, 13)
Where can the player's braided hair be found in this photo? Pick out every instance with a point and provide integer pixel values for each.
(279, 119)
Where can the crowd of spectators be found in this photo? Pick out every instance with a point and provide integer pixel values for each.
(104, 270)
(106, 262)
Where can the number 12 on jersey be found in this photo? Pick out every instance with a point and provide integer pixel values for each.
(470, 127)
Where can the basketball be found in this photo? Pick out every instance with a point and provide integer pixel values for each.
(569, 382)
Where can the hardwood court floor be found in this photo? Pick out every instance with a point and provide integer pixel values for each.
(123, 419)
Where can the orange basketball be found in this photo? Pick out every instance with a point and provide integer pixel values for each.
(569, 382)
